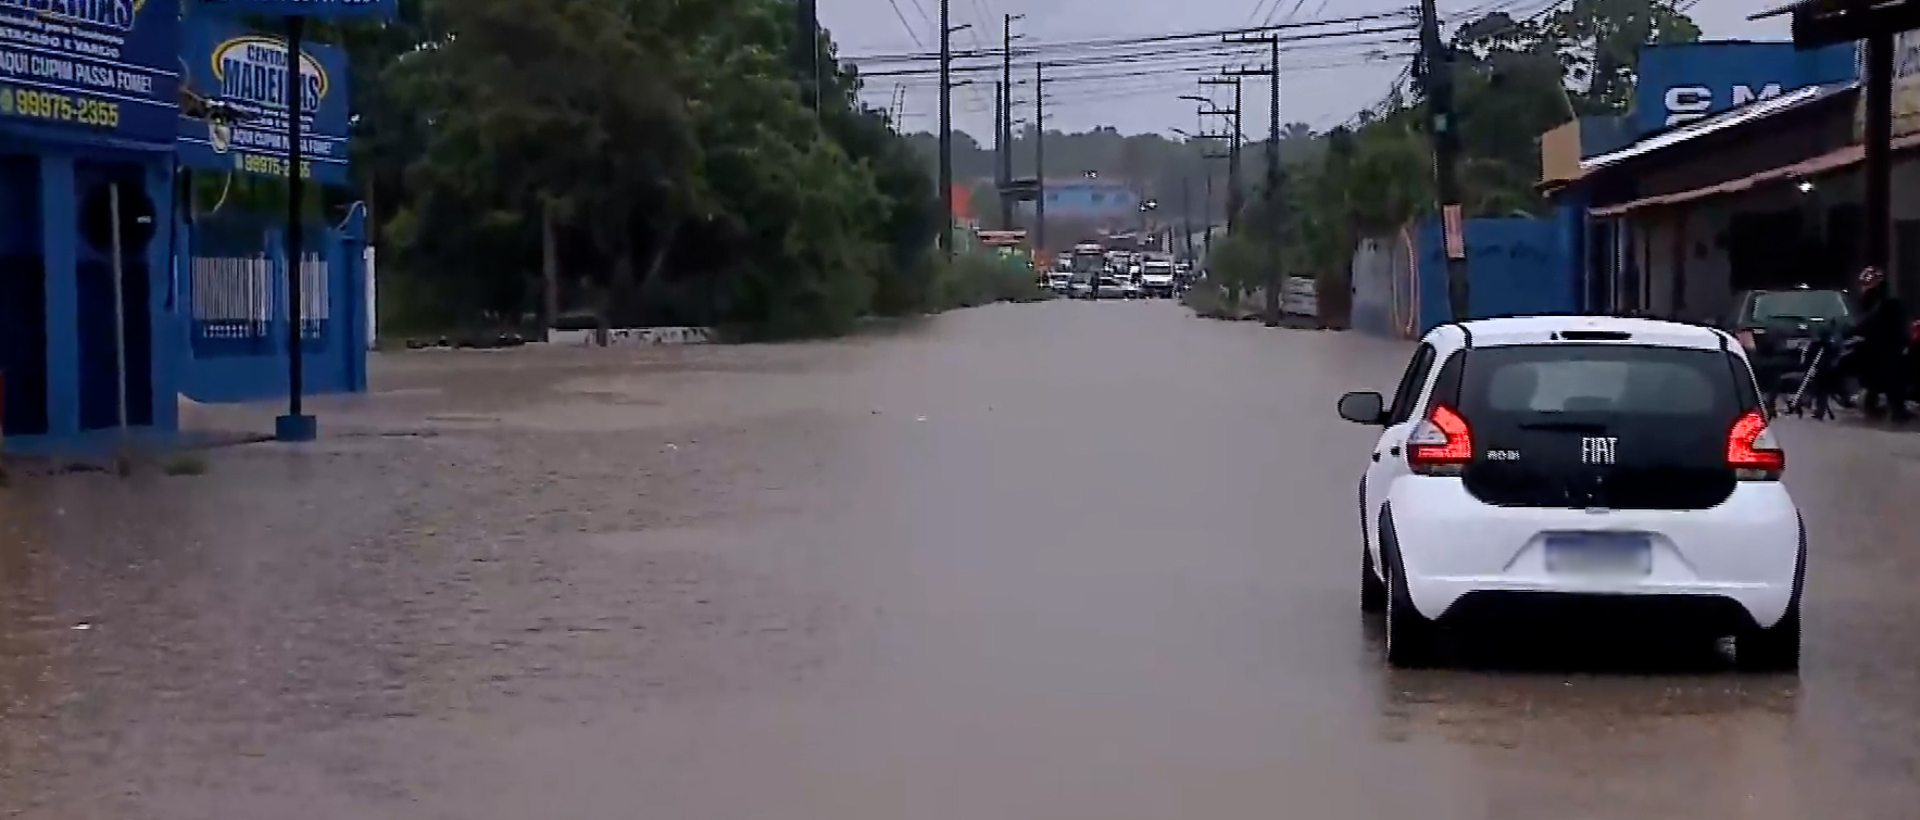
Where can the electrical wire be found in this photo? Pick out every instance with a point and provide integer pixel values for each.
(1209, 50)
(1031, 51)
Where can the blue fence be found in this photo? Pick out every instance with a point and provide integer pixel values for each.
(232, 276)
(1515, 266)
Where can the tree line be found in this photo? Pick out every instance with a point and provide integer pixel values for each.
(677, 163)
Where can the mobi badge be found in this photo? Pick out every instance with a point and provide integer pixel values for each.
(240, 77)
(101, 71)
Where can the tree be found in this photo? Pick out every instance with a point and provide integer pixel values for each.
(671, 143)
(1517, 79)
(1599, 43)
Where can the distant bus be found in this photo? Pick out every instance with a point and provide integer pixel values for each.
(1089, 258)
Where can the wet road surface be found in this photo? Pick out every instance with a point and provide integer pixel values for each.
(1053, 561)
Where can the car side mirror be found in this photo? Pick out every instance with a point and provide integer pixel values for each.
(1363, 408)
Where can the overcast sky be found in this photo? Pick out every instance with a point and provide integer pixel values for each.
(1323, 83)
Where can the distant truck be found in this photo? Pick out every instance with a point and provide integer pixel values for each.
(1157, 278)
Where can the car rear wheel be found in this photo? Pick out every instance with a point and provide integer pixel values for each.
(1373, 591)
(1413, 641)
(1773, 649)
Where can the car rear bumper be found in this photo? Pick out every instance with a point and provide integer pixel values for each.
(1453, 547)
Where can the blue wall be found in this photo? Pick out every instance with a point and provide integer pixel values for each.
(77, 316)
(1081, 199)
(1516, 266)
(234, 284)
(1696, 79)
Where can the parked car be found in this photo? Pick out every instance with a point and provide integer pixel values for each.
(1104, 286)
(1774, 326)
(1588, 465)
(1060, 281)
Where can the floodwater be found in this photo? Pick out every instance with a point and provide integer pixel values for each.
(1064, 561)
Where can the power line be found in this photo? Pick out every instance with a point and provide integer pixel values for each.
(1212, 50)
(906, 25)
(1207, 58)
(1041, 49)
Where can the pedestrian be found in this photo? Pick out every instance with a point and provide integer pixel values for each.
(1881, 354)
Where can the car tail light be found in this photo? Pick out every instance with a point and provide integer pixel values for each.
(1440, 445)
(1747, 340)
(1752, 451)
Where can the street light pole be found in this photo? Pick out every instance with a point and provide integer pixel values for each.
(1233, 147)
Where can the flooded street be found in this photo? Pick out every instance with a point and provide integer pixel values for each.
(1062, 561)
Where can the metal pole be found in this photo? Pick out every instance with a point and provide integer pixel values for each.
(1878, 138)
(1006, 118)
(1275, 202)
(1206, 214)
(119, 314)
(946, 128)
(295, 427)
(1233, 163)
(1000, 150)
(1039, 156)
(1186, 218)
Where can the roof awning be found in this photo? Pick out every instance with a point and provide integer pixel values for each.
(1722, 121)
(1823, 164)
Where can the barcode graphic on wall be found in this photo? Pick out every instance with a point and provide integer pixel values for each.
(232, 296)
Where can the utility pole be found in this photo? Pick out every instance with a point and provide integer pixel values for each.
(1206, 210)
(999, 150)
(1186, 219)
(946, 129)
(1436, 78)
(1006, 116)
(1274, 201)
(1039, 155)
(1233, 147)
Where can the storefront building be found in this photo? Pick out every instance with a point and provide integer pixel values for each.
(88, 104)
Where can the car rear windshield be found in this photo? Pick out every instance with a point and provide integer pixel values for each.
(1570, 380)
(1667, 410)
(1789, 305)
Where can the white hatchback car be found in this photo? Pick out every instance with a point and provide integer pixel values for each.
(1604, 464)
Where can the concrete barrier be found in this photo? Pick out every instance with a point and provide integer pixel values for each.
(635, 336)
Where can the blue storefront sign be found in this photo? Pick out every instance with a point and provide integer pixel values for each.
(309, 8)
(101, 71)
(1683, 82)
(226, 62)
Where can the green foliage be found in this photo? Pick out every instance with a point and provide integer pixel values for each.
(1515, 79)
(671, 147)
(975, 279)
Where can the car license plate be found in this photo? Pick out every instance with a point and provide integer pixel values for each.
(1599, 553)
(1796, 344)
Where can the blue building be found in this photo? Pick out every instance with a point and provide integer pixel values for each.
(106, 322)
(1088, 199)
(1686, 82)
(86, 121)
